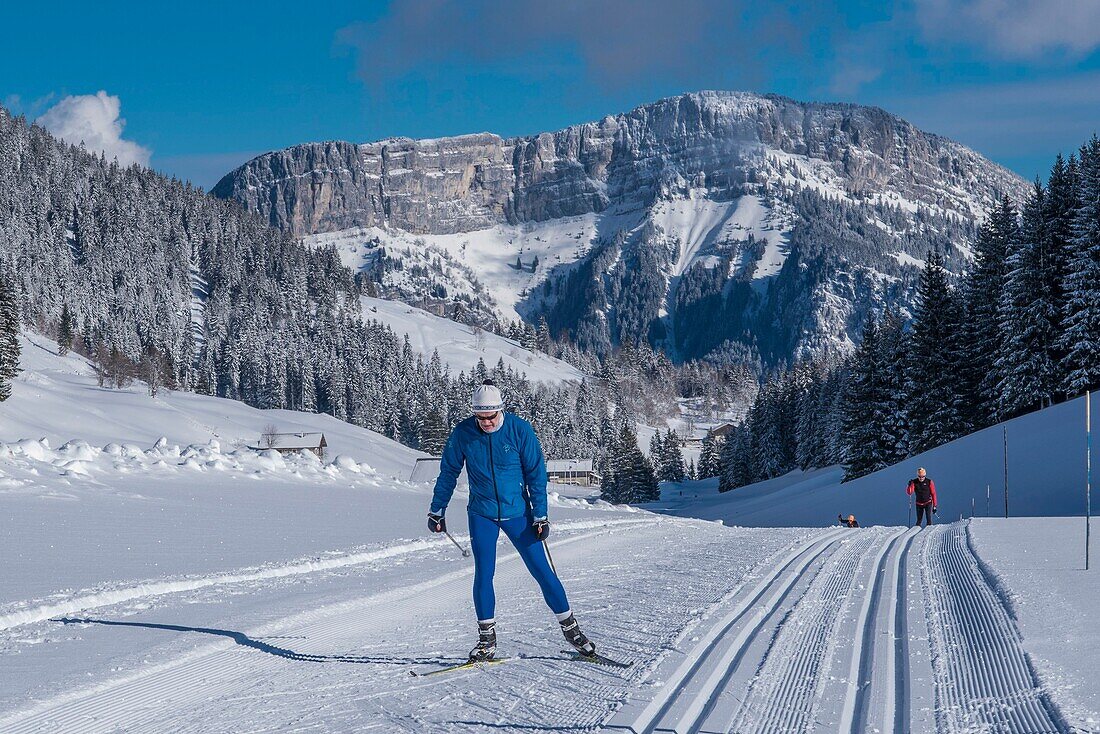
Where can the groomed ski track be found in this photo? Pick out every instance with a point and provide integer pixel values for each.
(839, 635)
(836, 630)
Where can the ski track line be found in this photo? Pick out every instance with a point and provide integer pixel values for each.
(982, 675)
(785, 689)
(200, 675)
(697, 662)
(156, 588)
(863, 671)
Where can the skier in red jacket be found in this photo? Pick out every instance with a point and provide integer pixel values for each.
(924, 490)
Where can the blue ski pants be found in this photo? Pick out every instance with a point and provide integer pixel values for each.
(484, 532)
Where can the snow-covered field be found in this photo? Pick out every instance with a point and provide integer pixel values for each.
(190, 586)
(460, 346)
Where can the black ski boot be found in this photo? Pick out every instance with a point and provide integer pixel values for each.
(486, 642)
(576, 638)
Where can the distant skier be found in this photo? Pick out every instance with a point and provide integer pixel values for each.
(923, 490)
(850, 522)
(507, 474)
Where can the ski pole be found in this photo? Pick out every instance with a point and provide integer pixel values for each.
(465, 553)
(549, 557)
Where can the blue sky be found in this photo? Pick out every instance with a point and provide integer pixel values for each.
(203, 87)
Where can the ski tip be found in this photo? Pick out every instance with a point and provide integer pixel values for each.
(596, 659)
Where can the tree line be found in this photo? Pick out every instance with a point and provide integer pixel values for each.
(1019, 331)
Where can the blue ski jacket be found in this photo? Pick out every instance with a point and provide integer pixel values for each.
(506, 469)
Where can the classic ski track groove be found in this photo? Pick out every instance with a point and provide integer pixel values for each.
(196, 676)
(864, 676)
(784, 692)
(698, 662)
(983, 678)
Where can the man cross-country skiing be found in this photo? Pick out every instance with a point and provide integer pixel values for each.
(507, 475)
(924, 491)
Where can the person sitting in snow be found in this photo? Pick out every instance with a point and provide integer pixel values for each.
(923, 490)
(507, 474)
(850, 522)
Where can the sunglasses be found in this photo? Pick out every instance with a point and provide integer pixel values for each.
(487, 418)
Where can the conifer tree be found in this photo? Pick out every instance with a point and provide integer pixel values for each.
(1026, 366)
(861, 419)
(934, 409)
(1082, 308)
(672, 464)
(709, 457)
(65, 331)
(984, 285)
(9, 336)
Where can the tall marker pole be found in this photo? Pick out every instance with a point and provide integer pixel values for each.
(1088, 473)
(1006, 470)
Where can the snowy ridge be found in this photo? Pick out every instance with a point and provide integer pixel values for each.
(460, 346)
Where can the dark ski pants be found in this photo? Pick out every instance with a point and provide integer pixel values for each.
(484, 532)
(925, 511)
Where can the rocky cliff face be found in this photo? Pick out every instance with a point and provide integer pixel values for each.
(708, 139)
(709, 224)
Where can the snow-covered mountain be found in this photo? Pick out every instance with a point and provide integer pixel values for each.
(695, 221)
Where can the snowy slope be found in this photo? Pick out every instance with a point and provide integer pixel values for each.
(482, 262)
(460, 346)
(57, 398)
(1046, 477)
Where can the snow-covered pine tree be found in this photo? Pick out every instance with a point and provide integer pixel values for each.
(984, 285)
(1060, 206)
(433, 433)
(657, 451)
(65, 331)
(861, 435)
(896, 390)
(1082, 309)
(736, 459)
(934, 403)
(709, 457)
(672, 466)
(542, 336)
(9, 335)
(1026, 366)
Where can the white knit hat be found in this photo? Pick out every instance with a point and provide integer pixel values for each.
(487, 398)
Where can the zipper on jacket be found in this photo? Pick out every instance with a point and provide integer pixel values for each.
(493, 471)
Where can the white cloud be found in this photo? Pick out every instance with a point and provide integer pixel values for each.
(1019, 29)
(94, 119)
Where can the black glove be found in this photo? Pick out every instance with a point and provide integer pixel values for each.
(935, 510)
(436, 523)
(541, 528)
